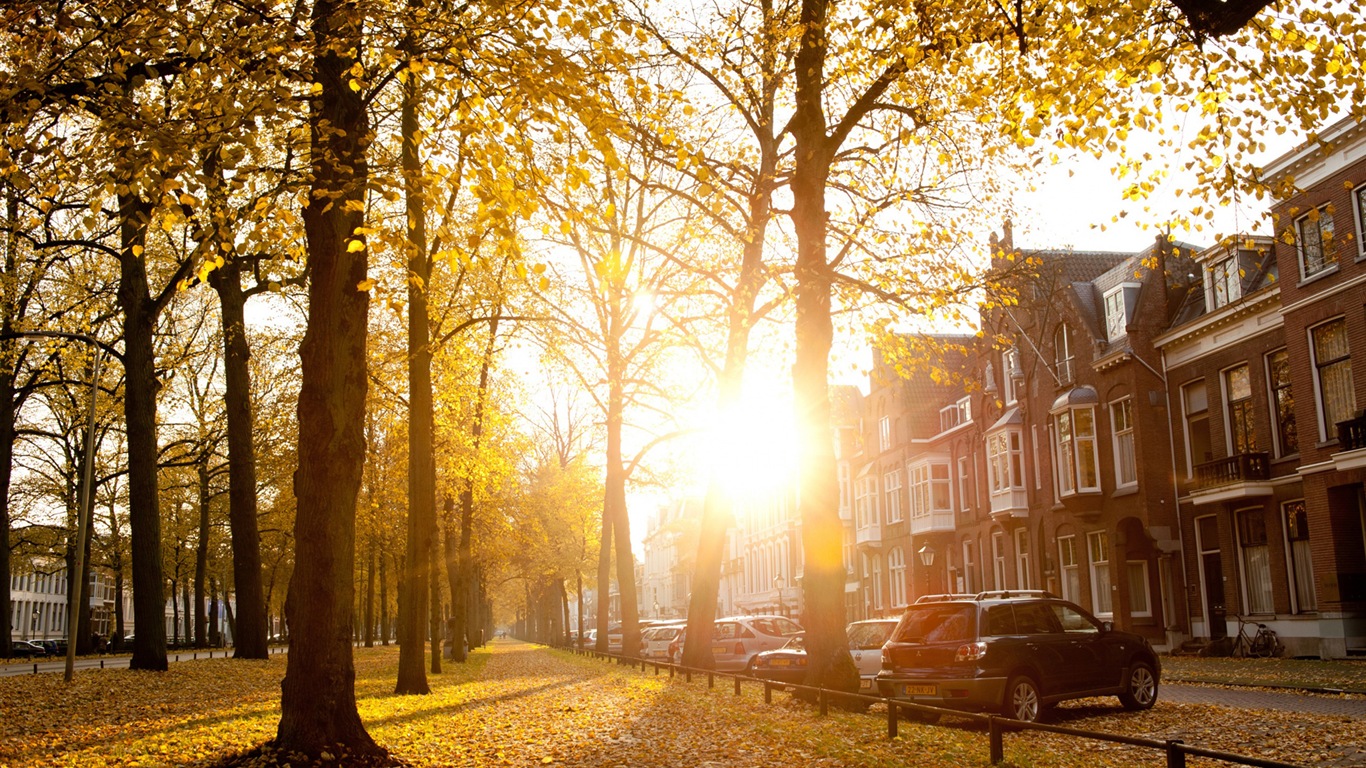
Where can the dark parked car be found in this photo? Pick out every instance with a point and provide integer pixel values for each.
(1013, 652)
(786, 664)
(23, 649)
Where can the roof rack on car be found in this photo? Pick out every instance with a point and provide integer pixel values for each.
(945, 596)
(1006, 594)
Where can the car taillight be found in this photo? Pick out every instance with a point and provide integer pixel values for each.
(970, 651)
(739, 649)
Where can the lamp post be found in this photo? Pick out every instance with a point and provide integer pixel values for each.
(778, 587)
(87, 493)
(927, 553)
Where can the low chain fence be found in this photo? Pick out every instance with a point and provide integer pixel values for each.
(997, 726)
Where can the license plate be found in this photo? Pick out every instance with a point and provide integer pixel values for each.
(920, 690)
(780, 663)
(721, 649)
(865, 684)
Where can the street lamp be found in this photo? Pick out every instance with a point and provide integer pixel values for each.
(78, 585)
(778, 586)
(926, 555)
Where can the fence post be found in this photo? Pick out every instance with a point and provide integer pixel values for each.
(997, 742)
(688, 672)
(671, 671)
(1176, 758)
(825, 703)
(893, 712)
(768, 692)
(737, 685)
(711, 679)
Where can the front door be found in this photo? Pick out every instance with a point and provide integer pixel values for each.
(1212, 573)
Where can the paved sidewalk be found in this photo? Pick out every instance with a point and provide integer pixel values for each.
(1254, 698)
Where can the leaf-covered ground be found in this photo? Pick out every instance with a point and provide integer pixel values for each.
(522, 705)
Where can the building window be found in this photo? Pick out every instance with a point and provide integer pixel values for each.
(865, 504)
(930, 489)
(1022, 580)
(1062, 355)
(1098, 543)
(1359, 202)
(1034, 449)
(963, 483)
(1070, 570)
(969, 564)
(1238, 391)
(1226, 285)
(1119, 305)
(1122, 427)
(892, 488)
(1282, 403)
(1301, 560)
(1314, 236)
(884, 434)
(1256, 560)
(877, 581)
(896, 571)
(1075, 430)
(1140, 596)
(1196, 404)
(1013, 375)
(998, 560)
(1333, 369)
(1004, 462)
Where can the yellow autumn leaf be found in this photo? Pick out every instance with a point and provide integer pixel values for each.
(365, 285)
(355, 246)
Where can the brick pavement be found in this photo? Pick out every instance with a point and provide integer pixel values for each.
(1258, 698)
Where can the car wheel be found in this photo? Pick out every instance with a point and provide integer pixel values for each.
(1023, 701)
(750, 667)
(1140, 691)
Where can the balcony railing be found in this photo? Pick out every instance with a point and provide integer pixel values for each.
(1352, 433)
(1239, 468)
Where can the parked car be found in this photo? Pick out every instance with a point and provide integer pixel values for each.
(657, 641)
(1018, 653)
(786, 664)
(614, 638)
(23, 649)
(52, 647)
(736, 640)
(866, 639)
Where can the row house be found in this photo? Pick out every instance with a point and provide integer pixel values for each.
(1318, 563)
(668, 558)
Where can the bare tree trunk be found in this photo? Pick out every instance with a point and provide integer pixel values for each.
(604, 577)
(434, 622)
(318, 695)
(462, 585)
(202, 632)
(370, 597)
(383, 602)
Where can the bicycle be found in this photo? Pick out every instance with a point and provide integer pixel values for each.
(1262, 644)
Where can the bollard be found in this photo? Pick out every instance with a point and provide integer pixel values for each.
(737, 685)
(711, 679)
(656, 669)
(825, 703)
(688, 673)
(768, 692)
(1176, 758)
(35, 669)
(996, 740)
(101, 663)
(892, 713)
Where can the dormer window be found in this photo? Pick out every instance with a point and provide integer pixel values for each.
(1119, 307)
(1014, 374)
(952, 415)
(1225, 284)
(1062, 354)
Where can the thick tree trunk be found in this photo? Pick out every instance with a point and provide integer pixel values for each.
(829, 662)
(318, 695)
(604, 577)
(434, 621)
(116, 564)
(140, 413)
(7, 410)
(615, 505)
(249, 636)
(201, 557)
(412, 678)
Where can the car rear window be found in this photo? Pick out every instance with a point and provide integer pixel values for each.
(871, 635)
(945, 623)
(776, 627)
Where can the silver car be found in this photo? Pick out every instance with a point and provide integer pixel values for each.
(865, 645)
(736, 640)
(655, 641)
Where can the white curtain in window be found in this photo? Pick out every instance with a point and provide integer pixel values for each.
(1257, 563)
(1305, 595)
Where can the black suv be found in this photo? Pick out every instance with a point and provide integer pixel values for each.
(1013, 652)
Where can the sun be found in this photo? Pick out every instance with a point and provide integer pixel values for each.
(752, 449)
